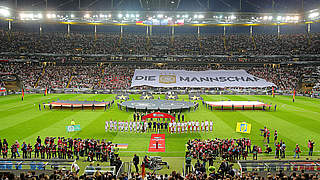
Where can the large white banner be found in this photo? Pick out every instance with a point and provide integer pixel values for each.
(209, 79)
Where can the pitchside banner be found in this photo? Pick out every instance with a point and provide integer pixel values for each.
(211, 78)
(73, 128)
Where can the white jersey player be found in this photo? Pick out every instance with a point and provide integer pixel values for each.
(130, 126)
(186, 127)
(174, 125)
(211, 126)
(182, 127)
(202, 126)
(126, 126)
(111, 125)
(193, 126)
(115, 125)
(145, 126)
(134, 124)
(206, 124)
(106, 126)
(197, 126)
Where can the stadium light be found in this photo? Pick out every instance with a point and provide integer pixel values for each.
(200, 16)
(72, 15)
(160, 16)
(195, 16)
(178, 16)
(279, 18)
(120, 15)
(51, 16)
(314, 15)
(24, 16)
(127, 15)
(5, 12)
(232, 17)
(87, 16)
(137, 15)
(40, 16)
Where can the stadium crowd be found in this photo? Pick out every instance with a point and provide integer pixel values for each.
(120, 76)
(159, 44)
(62, 148)
(212, 175)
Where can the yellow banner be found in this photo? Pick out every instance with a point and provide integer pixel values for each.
(243, 127)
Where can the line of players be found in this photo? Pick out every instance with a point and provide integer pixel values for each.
(157, 126)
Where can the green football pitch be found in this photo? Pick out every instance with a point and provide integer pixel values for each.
(296, 122)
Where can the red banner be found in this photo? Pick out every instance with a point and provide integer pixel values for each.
(157, 143)
(158, 115)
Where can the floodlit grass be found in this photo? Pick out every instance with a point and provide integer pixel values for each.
(296, 123)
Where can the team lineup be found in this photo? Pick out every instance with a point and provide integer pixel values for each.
(158, 126)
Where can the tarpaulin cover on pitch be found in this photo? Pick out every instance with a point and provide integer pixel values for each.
(210, 78)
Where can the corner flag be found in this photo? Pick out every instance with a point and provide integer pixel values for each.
(22, 94)
(243, 127)
(272, 91)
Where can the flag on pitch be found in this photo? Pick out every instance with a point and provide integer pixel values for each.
(272, 91)
(22, 94)
(46, 92)
(243, 127)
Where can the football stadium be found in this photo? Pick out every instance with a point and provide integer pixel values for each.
(159, 89)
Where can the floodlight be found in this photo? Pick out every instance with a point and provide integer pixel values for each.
(40, 16)
(200, 16)
(5, 12)
(265, 18)
(279, 18)
(270, 18)
(232, 17)
(127, 15)
(120, 15)
(137, 15)
(195, 16)
(72, 15)
(313, 15)
(160, 16)
(87, 16)
(22, 15)
(178, 16)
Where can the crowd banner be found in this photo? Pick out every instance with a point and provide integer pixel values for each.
(243, 127)
(207, 79)
(73, 128)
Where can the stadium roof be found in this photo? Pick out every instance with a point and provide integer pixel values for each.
(165, 5)
(160, 12)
